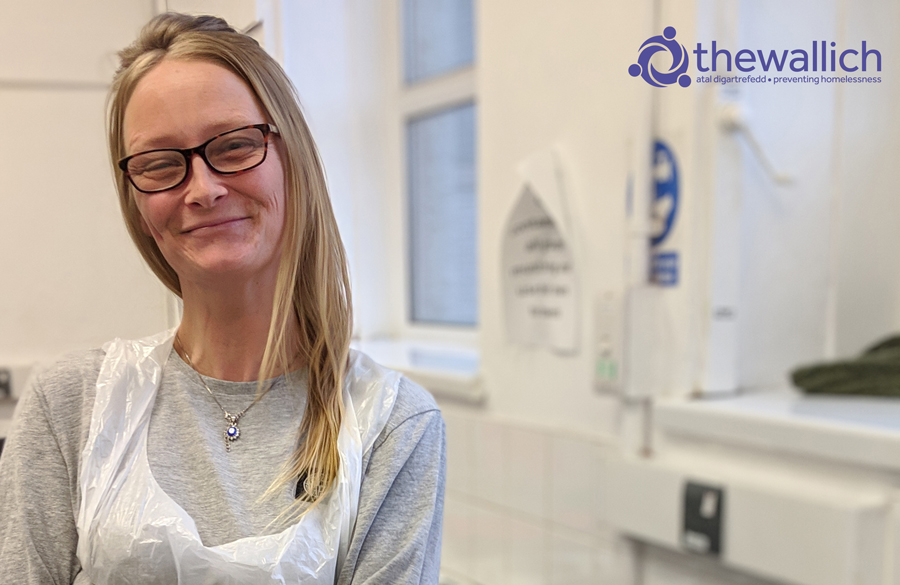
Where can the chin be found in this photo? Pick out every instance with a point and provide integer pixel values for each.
(229, 264)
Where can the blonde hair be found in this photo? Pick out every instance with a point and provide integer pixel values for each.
(312, 286)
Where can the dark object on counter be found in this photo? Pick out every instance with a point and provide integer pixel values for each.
(5, 383)
(876, 372)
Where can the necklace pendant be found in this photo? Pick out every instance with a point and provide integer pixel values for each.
(232, 433)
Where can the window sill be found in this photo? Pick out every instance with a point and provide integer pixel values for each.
(447, 371)
(852, 430)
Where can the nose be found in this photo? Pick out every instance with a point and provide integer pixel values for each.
(204, 187)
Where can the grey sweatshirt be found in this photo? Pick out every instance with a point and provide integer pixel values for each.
(398, 529)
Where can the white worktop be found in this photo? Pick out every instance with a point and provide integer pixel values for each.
(855, 430)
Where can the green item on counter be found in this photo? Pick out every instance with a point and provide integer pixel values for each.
(876, 372)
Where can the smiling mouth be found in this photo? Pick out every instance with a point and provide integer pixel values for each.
(214, 224)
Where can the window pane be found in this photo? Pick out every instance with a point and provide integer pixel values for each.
(438, 37)
(443, 270)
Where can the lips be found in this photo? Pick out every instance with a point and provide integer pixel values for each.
(214, 223)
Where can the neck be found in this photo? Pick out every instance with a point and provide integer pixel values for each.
(224, 330)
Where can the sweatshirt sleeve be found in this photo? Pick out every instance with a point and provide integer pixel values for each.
(37, 523)
(397, 538)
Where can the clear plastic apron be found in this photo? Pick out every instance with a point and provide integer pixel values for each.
(131, 531)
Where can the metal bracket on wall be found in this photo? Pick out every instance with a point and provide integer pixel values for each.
(732, 119)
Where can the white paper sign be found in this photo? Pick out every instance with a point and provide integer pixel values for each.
(539, 284)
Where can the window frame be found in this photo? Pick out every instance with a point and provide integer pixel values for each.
(406, 102)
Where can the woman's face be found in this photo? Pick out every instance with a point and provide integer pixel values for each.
(211, 226)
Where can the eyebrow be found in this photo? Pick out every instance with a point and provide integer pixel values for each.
(165, 141)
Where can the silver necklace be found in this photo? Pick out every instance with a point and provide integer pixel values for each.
(233, 432)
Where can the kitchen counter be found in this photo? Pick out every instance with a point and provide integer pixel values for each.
(847, 429)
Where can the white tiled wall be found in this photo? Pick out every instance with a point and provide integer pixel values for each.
(522, 505)
(663, 567)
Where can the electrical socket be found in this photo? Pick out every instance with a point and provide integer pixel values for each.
(704, 508)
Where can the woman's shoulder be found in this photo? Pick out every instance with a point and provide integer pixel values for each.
(415, 414)
(69, 377)
(59, 397)
(414, 409)
(413, 399)
(410, 396)
(63, 390)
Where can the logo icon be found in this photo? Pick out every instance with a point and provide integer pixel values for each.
(680, 61)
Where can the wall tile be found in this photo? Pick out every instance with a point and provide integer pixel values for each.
(450, 578)
(459, 458)
(526, 558)
(575, 465)
(665, 567)
(487, 460)
(613, 558)
(459, 529)
(601, 455)
(525, 471)
(571, 560)
(487, 546)
(577, 558)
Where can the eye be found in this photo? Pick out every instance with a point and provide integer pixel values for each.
(238, 143)
(232, 147)
(161, 166)
(236, 150)
(156, 164)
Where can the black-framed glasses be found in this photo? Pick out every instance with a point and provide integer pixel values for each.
(231, 152)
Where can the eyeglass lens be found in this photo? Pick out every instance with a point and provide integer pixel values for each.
(229, 153)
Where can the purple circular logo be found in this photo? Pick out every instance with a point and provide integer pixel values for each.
(680, 61)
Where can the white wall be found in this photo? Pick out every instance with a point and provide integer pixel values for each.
(342, 93)
(556, 74)
(869, 232)
(785, 231)
(813, 275)
(837, 223)
(71, 277)
(524, 470)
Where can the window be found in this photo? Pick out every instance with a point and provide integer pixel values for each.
(389, 92)
(438, 112)
(442, 231)
(438, 37)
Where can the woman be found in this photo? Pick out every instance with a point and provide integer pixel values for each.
(249, 445)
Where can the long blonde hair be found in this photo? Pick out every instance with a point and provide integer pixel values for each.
(313, 286)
